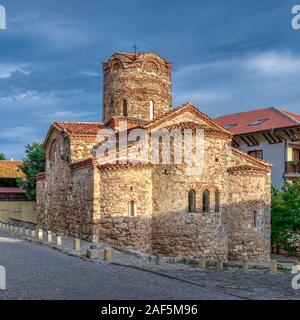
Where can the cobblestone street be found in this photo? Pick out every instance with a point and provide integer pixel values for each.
(39, 272)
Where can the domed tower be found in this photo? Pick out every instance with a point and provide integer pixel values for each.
(136, 86)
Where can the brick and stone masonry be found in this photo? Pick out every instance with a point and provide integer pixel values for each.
(146, 206)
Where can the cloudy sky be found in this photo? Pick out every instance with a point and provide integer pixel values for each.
(228, 56)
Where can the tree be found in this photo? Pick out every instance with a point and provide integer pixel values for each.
(2, 156)
(31, 166)
(285, 215)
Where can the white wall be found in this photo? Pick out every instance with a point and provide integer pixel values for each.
(274, 153)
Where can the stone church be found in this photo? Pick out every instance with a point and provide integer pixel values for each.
(221, 211)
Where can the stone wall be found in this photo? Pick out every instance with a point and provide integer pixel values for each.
(248, 216)
(64, 192)
(114, 224)
(191, 235)
(138, 80)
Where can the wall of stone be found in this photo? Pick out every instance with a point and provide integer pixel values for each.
(138, 80)
(249, 236)
(113, 224)
(81, 147)
(191, 235)
(65, 195)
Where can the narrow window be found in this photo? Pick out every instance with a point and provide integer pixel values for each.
(125, 108)
(192, 201)
(206, 196)
(132, 209)
(217, 201)
(255, 219)
(151, 110)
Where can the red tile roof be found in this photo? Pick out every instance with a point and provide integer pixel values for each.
(10, 169)
(271, 118)
(11, 191)
(80, 128)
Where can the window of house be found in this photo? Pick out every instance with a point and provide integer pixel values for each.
(217, 201)
(206, 199)
(230, 126)
(192, 201)
(296, 154)
(151, 110)
(125, 108)
(8, 183)
(258, 122)
(258, 154)
(255, 219)
(132, 209)
(52, 152)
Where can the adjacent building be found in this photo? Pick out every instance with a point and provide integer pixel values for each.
(9, 173)
(271, 134)
(222, 210)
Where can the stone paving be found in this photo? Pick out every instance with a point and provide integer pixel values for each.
(230, 283)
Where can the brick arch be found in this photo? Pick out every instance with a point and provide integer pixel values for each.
(52, 148)
(116, 65)
(201, 187)
(151, 66)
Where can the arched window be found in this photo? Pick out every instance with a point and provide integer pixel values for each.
(125, 108)
(52, 152)
(151, 110)
(192, 201)
(132, 209)
(255, 219)
(217, 201)
(206, 200)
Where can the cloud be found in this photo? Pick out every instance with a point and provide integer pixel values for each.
(274, 64)
(8, 69)
(241, 83)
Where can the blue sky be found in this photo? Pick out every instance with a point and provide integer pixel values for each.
(228, 56)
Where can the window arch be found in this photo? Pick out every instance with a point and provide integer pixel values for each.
(206, 200)
(255, 219)
(52, 152)
(192, 201)
(152, 110)
(217, 201)
(132, 209)
(125, 108)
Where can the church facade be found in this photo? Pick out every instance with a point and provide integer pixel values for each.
(221, 210)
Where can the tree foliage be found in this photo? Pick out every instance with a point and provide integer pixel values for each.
(285, 215)
(2, 156)
(33, 164)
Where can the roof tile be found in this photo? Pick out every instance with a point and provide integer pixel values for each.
(240, 123)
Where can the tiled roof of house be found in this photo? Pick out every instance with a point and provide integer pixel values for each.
(10, 169)
(80, 128)
(258, 120)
